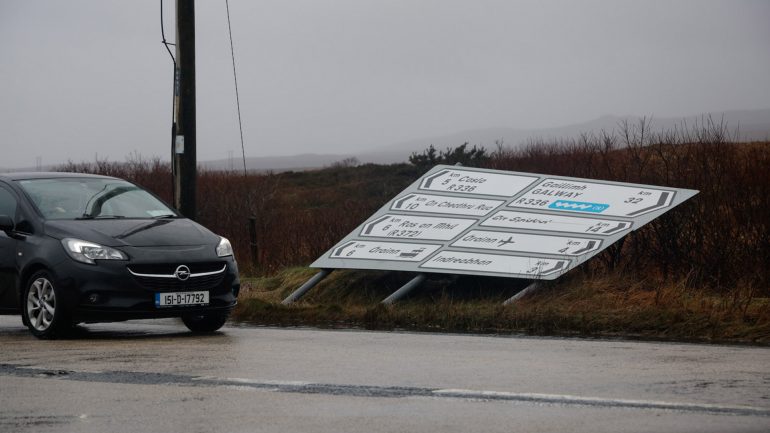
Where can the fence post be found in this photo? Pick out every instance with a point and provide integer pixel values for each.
(253, 241)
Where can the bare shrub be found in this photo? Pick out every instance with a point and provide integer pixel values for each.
(715, 240)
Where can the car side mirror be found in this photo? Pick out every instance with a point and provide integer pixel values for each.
(6, 224)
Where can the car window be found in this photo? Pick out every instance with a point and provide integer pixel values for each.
(8, 203)
(86, 198)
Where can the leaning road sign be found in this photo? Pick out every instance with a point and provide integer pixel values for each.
(460, 220)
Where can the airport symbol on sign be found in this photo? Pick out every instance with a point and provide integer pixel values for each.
(460, 220)
(522, 242)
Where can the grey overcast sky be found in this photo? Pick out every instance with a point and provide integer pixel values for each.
(85, 77)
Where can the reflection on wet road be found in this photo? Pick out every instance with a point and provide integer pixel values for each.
(155, 376)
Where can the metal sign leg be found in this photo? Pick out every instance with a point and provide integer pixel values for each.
(307, 286)
(526, 291)
(406, 288)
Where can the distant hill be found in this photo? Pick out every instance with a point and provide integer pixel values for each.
(752, 125)
(300, 162)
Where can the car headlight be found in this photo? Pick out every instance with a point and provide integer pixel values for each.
(224, 248)
(87, 252)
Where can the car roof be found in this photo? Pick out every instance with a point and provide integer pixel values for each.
(50, 175)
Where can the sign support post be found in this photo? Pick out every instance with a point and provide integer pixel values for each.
(533, 286)
(405, 289)
(309, 284)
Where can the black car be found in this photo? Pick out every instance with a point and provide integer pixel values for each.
(78, 248)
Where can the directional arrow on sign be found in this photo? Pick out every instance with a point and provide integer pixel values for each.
(338, 252)
(559, 265)
(524, 242)
(617, 228)
(555, 223)
(590, 246)
(662, 202)
(416, 227)
(594, 198)
(476, 182)
(429, 180)
(370, 227)
(399, 204)
(377, 250)
(445, 205)
(531, 267)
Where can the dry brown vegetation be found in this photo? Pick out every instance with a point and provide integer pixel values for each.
(700, 272)
(718, 241)
(612, 305)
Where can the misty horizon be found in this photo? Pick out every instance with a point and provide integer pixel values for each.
(87, 78)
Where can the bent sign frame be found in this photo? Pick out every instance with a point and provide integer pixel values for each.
(462, 220)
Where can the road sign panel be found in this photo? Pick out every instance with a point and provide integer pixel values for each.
(522, 242)
(374, 250)
(464, 181)
(445, 205)
(595, 198)
(530, 267)
(490, 222)
(416, 227)
(555, 223)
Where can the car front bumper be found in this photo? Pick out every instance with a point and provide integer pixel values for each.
(108, 291)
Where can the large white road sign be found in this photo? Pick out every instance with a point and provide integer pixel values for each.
(460, 220)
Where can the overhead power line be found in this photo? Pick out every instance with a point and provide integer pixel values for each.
(235, 79)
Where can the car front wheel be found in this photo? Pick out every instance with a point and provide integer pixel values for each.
(204, 323)
(42, 307)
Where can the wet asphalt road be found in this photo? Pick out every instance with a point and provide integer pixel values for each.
(156, 377)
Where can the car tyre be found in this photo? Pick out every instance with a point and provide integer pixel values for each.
(204, 323)
(42, 307)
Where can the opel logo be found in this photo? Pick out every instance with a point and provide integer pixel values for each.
(182, 273)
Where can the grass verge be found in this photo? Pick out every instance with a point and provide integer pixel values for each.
(608, 306)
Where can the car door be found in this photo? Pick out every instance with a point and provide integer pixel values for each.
(8, 267)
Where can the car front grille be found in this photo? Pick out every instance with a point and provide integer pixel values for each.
(162, 278)
(169, 268)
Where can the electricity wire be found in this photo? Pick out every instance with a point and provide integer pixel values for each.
(173, 97)
(249, 203)
(235, 79)
(166, 44)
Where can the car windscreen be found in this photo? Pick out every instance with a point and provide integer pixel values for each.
(93, 198)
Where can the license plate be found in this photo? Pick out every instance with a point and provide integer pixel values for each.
(181, 298)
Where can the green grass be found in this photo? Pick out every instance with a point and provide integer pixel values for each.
(608, 306)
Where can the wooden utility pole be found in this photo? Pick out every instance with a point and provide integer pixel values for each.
(184, 157)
